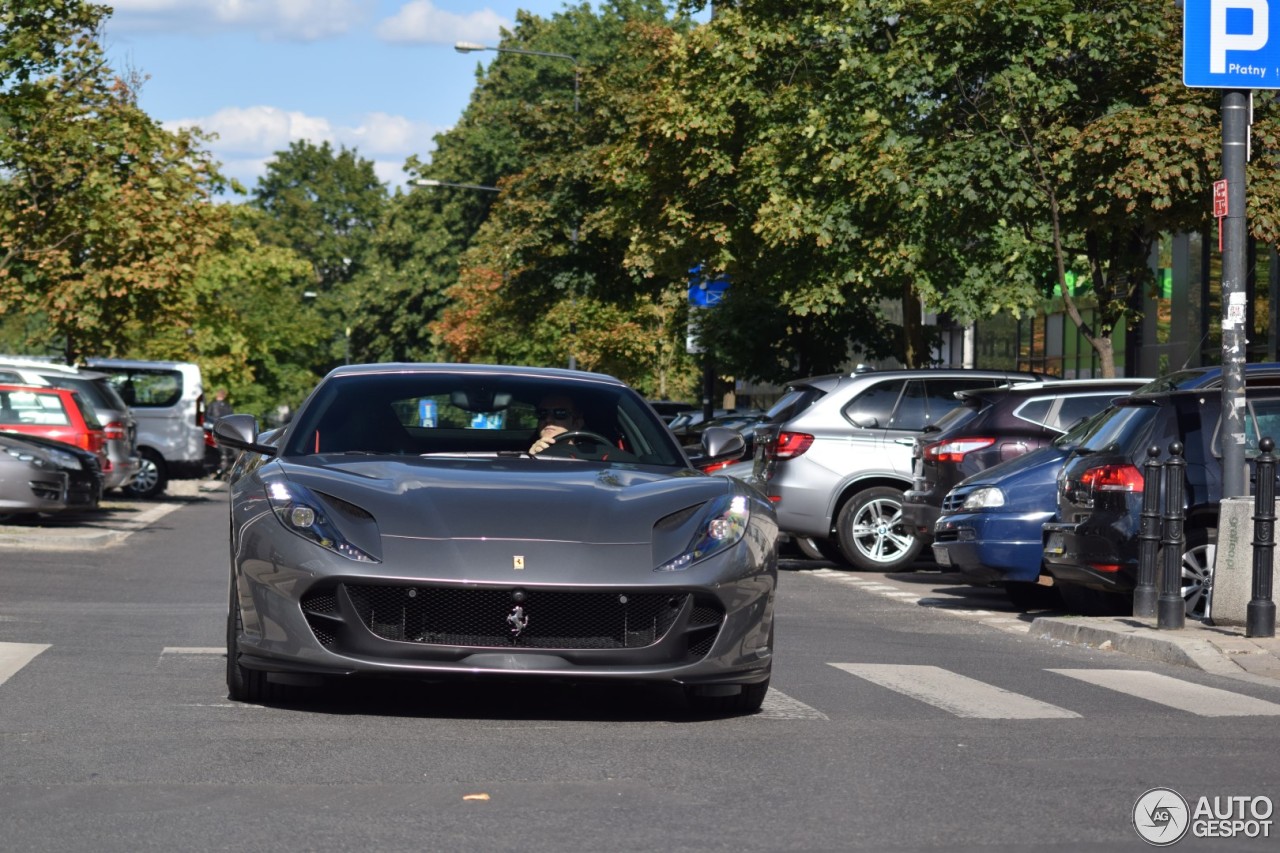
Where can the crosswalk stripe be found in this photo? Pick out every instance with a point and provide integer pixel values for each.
(779, 706)
(1175, 693)
(194, 650)
(954, 693)
(14, 656)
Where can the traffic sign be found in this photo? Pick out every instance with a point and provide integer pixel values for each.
(1230, 44)
(1219, 199)
(705, 292)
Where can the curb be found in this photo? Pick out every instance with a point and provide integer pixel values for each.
(1213, 656)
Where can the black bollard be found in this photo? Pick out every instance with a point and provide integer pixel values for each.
(1144, 594)
(1172, 609)
(1260, 615)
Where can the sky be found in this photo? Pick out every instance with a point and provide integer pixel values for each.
(380, 76)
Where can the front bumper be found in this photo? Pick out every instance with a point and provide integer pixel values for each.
(991, 547)
(308, 611)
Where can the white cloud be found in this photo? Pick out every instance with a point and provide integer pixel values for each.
(300, 20)
(248, 137)
(420, 22)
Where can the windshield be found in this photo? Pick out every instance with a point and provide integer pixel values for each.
(473, 414)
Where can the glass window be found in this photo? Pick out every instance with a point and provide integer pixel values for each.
(1075, 409)
(1262, 421)
(925, 401)
(1036, 411)
(1119, 427)
(874, 407)
(148, 388)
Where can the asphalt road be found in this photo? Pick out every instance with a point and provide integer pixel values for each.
(892, 726)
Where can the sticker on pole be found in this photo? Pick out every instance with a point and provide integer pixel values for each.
(1219, 199)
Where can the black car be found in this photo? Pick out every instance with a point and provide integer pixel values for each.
(84, 480)
(1092, 549)
(992, 426)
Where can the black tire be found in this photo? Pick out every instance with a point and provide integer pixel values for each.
(152, 476)
(821, 549)
(1084, 601)
(243, 685)
(871, 534)
(748, 701)
(1033, 596)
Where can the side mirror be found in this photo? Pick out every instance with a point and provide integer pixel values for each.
(240, 432)
(720, 444)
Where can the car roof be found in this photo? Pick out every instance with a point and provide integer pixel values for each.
(476, 369)
(1031, 389)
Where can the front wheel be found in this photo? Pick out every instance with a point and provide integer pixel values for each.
(748, 701)
(151, 478)
(243, 685)
(871, 532)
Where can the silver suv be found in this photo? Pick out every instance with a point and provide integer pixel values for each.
(837, 467)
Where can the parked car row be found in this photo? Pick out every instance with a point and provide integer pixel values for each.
(143, 422)
(1031, 484)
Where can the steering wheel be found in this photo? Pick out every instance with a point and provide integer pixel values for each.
(578, 433)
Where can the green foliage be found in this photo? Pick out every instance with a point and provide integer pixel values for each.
(323, 204)
(103, 214)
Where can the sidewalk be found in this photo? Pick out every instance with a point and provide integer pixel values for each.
(113, 522)
(1217, 649)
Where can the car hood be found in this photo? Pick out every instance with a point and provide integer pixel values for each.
(524, 499)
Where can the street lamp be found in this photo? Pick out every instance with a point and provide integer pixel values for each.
(471, 47)
(432, 182)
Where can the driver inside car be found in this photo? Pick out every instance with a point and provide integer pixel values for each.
(557, 414)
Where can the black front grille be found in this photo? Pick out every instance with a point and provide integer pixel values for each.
(545, 619)
(954, 500)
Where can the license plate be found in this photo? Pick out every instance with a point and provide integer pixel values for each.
(1055, 544)
(941, 556)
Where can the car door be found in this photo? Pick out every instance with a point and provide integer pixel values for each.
(870, 413)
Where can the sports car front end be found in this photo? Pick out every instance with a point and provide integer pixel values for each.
(500, 565)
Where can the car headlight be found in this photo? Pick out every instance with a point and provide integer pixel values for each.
(302, 513)
(984, 498)
(27, 456)
(723, 523)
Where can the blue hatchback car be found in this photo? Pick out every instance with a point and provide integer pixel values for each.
(989, 529)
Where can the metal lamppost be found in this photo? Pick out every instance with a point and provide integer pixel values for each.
(432, 182)
(471, 47)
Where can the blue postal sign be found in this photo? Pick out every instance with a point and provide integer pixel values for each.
(1231, 44)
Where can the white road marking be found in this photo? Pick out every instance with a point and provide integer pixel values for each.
(779, 706)
(1175, 693)
(194, 650)
(956, 694)
(14, 656)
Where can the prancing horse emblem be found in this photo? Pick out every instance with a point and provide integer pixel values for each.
(517, 620)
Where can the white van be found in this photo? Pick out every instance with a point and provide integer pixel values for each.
(167, 399)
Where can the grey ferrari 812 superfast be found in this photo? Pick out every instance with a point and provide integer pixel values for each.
(432, 521)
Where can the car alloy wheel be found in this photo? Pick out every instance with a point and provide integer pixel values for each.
(150, 479)
(1197, 572)
(871, 533)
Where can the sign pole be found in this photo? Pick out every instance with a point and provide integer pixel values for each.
(1235, 144)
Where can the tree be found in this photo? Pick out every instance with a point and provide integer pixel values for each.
(103, 213)
(323, 204)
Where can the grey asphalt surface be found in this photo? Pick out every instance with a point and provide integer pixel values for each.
(1216, 649)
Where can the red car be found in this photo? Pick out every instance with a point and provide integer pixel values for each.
(56, 413)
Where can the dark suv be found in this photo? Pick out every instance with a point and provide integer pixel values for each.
(994, 425)
(836, 468)
(1092, 549)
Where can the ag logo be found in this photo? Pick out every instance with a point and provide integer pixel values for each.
(1161, 816)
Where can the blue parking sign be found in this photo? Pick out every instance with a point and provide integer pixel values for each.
(1230, 44)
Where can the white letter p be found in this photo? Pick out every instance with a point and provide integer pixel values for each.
(1220, 41)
